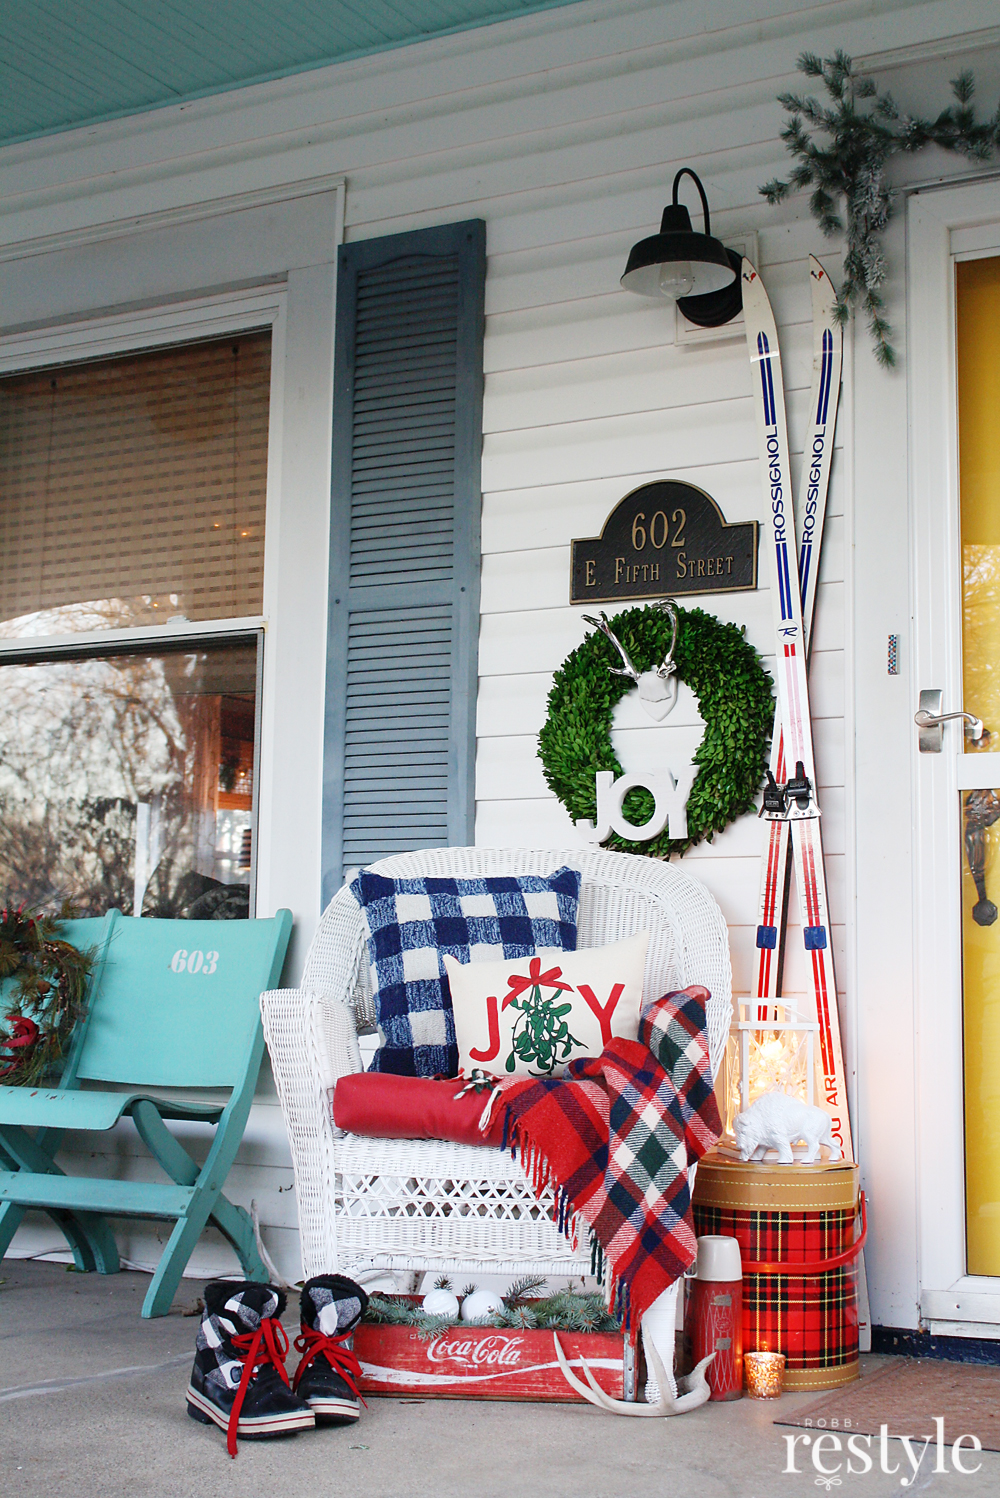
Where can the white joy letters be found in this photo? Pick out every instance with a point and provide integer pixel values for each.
(669, 790)
(657, 695)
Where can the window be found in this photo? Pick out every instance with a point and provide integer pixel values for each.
(126, 780)
(133, 494)
(133, 489)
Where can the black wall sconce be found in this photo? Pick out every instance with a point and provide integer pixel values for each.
(695, 270)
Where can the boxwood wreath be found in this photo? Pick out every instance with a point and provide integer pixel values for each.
(734, 694)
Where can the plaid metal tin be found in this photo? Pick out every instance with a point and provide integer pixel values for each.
(812, 1319)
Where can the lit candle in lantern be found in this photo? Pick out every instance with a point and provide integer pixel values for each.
(771, 1049)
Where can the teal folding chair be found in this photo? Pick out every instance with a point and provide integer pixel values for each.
(174, 1005)
(87, 1235)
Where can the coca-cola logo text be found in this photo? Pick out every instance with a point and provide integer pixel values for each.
(478, 1352)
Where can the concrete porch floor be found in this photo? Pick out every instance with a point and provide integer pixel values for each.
(92, 1403)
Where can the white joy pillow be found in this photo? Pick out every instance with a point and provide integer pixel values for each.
(531, 1016)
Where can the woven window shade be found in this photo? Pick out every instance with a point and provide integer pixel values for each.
(132, 490)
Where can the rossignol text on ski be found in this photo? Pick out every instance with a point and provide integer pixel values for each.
(793, 800)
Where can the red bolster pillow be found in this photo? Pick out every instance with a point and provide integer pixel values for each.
(385, 1106)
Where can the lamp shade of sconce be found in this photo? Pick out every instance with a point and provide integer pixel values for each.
(695, 270)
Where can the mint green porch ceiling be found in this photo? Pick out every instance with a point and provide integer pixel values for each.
(65, 63)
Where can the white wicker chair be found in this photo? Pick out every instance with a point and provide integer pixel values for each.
(414, 1205)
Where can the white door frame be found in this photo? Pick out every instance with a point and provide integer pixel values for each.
(942, 225)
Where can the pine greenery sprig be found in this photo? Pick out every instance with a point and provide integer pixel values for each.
(529, 1287)
(520, 1318)
(847, 170)
(387, 1310)
(575, 1313)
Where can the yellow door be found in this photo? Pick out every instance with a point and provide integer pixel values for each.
(979, 465)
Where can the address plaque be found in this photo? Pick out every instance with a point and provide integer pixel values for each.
(665, 538)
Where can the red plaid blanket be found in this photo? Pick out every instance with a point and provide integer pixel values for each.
(615, 1139)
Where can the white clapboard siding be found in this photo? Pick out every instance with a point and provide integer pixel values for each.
(554, 509)
(508, 767)
(525, 278)
(538, 580)
(562, 130)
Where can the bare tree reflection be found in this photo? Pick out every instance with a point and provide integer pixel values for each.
(82, 744)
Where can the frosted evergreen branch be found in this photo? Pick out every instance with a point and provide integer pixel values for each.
(850, 167)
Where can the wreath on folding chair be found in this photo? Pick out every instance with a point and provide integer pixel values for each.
(734, 695)
(44, 988)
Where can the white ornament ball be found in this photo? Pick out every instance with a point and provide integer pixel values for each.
(440, 1302)
(480, 1305)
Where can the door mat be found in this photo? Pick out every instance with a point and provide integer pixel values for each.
(906, 1396)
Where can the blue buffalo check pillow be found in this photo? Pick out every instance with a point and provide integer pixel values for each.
(412, 923)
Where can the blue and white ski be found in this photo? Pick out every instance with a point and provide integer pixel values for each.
(792, 800)
(810, 514)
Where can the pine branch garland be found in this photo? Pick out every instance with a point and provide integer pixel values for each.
(848, 175)
(566, 1311)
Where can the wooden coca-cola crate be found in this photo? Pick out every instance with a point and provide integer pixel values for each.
(485, 1362)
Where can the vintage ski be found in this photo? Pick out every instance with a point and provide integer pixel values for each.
(810, 514)
(794, 799)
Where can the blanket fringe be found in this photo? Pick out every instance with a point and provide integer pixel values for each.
(539, 1172)
(536, 1167)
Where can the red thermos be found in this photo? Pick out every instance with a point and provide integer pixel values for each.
(714, 1320)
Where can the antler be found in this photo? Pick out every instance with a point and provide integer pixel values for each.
(605, 628)
(668, 668)
(697, 1391)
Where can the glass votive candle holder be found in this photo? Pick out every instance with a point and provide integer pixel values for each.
(764, 1374)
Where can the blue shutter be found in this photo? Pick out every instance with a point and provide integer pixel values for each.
(404, 555)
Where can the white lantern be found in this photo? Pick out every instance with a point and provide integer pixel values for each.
(772, 1048)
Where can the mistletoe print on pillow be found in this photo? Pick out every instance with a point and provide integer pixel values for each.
(532, 1016)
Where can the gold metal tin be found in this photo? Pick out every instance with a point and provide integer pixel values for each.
(827, 1186)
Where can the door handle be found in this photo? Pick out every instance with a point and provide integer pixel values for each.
(982, 809)
(931, 720)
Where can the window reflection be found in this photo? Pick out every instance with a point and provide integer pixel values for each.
(127, 780)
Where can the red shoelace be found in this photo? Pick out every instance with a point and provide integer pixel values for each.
(313, 1344)
(268, 1344)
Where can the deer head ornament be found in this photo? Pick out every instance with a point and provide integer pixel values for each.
(658, 687)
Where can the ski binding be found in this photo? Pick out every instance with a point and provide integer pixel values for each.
(791, 802)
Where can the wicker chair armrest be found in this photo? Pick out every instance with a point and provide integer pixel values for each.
(311, 1040)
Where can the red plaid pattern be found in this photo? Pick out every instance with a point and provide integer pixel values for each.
(616, 1140)
(814, 1320)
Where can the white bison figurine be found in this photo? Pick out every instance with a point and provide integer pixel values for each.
(776, 1121)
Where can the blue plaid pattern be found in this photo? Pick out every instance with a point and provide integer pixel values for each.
(410, 923)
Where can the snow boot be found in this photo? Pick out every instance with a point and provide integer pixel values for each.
(327, 1376)
(239, 1381)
